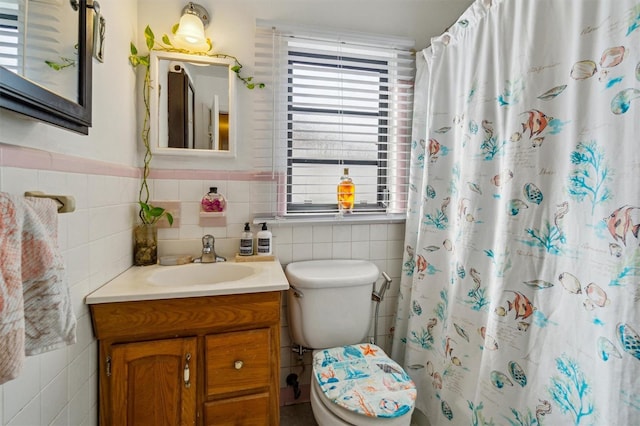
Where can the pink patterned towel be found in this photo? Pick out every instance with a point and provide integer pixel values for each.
(36, 315)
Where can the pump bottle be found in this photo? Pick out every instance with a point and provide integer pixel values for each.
(264, 241)
(246, 241)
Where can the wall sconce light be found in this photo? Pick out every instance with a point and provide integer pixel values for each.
(190, 32)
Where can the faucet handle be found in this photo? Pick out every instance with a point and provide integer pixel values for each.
(208, 241)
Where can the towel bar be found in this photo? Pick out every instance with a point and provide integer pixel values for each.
(67, 202)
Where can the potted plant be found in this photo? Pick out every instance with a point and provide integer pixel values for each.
(145, 235)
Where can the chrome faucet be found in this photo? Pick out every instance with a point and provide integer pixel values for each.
(208, 250)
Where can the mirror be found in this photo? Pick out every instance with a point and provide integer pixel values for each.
(192, 108)
(45, 60)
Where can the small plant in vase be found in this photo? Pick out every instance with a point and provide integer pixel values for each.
(145, 235)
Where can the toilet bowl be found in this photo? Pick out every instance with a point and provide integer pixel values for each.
(353, 383)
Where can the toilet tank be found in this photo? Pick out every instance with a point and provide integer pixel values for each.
(329, 302)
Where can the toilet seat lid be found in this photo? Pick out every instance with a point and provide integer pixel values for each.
(364, 380)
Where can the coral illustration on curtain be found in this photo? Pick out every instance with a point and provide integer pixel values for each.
(519, 302)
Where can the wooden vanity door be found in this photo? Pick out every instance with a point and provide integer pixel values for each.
(153, 383)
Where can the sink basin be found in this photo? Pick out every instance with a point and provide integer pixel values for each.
(199, 274)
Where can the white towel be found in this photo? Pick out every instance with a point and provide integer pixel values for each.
(36, 315)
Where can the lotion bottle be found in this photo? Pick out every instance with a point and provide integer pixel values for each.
(264, 241)
(246, 241)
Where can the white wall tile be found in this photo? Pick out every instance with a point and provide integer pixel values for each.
(29, 415)
(238, 191)
(78, 186)
(22, 390)
(322, 233)
(78, 371)
(395, 231)
(341, 233)
(190, 213)
(191, 190)
(378, 250)
(54, 398)
(17, 181)
(378, 231)
(190, 232)
(302, 234)
(394, 249)
(172, 233)
(166, 190)
(237, 215)
(77, 263)
(62, 419)
(282, 234)
(78, 234)
(322, 250)
(341, 250)
(53, 363)
(302, 252)
(360, 233)
(83, 402)
(284, 252)
(360, 250)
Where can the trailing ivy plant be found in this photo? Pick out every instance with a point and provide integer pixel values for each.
(138, 59)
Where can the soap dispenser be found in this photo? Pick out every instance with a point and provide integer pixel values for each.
(246, 241)
(213, 202)
(264, 241)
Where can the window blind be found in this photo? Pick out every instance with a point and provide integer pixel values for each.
(333, 100)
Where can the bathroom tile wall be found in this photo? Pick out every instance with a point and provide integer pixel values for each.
(60, 387)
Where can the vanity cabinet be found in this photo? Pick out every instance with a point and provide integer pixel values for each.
(190, 361)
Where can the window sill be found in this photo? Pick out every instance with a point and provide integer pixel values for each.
(332, 219)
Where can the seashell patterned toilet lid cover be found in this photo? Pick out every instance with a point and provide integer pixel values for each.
(364, 380)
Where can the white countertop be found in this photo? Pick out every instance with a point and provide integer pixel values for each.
(134, 284)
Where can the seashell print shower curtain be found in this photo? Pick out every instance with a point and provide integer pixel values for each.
(519, 302)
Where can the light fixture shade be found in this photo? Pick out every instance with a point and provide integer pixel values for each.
(191, 30)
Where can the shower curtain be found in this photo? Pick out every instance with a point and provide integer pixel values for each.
(519, 301)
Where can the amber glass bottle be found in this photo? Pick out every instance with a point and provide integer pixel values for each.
(346, 193)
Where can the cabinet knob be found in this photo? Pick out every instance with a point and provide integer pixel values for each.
(238, 365)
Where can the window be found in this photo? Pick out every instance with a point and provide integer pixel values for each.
(333, 102)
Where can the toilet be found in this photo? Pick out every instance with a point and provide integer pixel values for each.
(353, 382)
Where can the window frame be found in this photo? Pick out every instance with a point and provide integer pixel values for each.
(381, 164)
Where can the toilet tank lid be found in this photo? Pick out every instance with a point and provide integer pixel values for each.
(331, 273)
